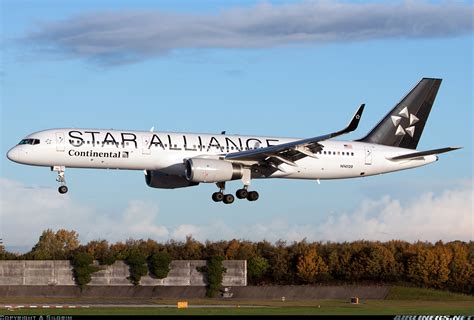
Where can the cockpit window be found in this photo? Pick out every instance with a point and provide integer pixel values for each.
(29, 141)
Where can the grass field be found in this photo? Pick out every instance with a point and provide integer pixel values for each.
(401, 300)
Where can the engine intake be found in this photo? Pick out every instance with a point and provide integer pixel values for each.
(211, 170)
(161, 180)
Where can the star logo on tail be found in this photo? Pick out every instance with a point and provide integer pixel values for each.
(410, 129)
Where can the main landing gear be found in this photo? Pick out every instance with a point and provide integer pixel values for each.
(60, 170)
(220, 196)
(228, 198)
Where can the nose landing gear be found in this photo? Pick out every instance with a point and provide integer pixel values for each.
(61, 179)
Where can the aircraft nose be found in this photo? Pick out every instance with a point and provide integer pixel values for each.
(14, 155)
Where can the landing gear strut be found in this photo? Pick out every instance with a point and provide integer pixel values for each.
(60, 170)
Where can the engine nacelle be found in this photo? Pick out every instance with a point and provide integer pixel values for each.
(210, 170)
(160, 180)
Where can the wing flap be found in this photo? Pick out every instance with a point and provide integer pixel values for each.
(296, 149)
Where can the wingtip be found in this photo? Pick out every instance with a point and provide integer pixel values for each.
(359, 112)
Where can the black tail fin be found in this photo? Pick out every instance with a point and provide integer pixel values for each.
(403, 125)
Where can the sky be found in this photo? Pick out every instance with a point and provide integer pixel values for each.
(278, 68)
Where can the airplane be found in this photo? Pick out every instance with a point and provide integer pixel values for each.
(177, 160)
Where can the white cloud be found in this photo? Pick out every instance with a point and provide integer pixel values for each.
(448, 216)
(26, 212)
(117, 37)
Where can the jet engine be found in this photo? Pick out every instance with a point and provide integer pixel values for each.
(160, 180)
(211, 170)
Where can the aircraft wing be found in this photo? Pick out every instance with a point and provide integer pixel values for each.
(290, 152)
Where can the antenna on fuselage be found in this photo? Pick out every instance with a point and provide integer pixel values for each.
(152, 128)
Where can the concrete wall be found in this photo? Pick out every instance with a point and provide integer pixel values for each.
(48, 272)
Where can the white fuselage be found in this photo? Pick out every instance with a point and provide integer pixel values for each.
(165, 152)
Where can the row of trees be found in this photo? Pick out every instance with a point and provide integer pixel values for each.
(440, 265)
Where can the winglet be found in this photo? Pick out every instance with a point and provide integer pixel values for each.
(355, 120)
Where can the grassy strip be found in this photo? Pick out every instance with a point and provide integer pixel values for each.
(387, 307)
(407, 293)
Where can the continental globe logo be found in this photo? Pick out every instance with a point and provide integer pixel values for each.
(404, 126)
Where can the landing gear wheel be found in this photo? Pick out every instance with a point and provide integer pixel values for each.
(228, 199)
(217, 196)
(252, 196)
(241, 193)
(62, 189)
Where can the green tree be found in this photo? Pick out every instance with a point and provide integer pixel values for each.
(5, 255)
(160, 264)
(136, 261)
(214, 273)
(256, 268)
(83, 268)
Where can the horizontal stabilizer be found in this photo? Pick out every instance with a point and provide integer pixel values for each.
(424, 153)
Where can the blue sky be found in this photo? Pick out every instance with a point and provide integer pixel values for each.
(261, 82)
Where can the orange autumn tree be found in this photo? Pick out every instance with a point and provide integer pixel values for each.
(310, 266)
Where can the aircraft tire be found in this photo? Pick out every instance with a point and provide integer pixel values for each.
(62, 189)
(217, 196)
(228, 199)
(252, 196)
(241, 193)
